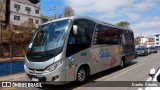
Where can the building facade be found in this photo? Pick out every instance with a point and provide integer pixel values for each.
(157, 40)
(146, 41)
(150, 42)
(22, 10)
(17, 11)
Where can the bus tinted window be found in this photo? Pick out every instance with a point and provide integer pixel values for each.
(107, 35)
(81, 36)
(82, 39)
(129, 38)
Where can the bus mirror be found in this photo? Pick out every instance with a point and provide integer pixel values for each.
(75, 28)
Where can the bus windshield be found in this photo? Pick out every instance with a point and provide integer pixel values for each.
(49, 36)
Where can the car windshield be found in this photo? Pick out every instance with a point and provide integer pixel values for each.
(49, 36)
(140, 48)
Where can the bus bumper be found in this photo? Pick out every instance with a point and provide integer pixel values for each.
(56, 77)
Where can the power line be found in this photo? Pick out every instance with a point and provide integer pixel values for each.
(54, 9)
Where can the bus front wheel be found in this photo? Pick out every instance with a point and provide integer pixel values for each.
(82, 75)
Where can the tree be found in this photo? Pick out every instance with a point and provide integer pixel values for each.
(60, 16)
(137, 40)
(8, 34)
(123, 24)
(28, 24)
(68, 11)
(18, 38)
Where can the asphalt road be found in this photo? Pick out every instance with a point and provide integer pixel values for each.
(137, 70)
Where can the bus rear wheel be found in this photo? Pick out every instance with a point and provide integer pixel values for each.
(122, 63)
(82, 75)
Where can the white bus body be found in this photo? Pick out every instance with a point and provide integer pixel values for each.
(73, 48)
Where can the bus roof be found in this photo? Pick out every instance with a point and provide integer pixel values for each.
(89, 18)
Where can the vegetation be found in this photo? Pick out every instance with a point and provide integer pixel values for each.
(123, 24)
(17, 37)
(137, 40)
(28, 24)
(68, 11)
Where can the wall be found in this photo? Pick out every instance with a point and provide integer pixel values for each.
(22, 19)
(7, 68)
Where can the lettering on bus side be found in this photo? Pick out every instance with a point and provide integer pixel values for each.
(110, 64)
(100, 54)
(113, 61)
(94, 54)
(104, 54)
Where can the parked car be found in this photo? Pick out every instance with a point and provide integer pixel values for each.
(149, 50)
(153, 49)
(142, 51)
(155, 78)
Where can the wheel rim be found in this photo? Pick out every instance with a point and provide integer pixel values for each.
(121, 63)
(81, 75)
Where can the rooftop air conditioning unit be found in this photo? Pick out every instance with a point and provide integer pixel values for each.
(29, 12)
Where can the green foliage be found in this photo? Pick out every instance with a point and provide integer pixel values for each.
(137, 40)
(123, 24)
(28, 24)
(18, 37)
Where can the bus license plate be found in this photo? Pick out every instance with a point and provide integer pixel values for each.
(34, 79)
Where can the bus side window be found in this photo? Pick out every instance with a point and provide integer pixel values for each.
(123, 39)
(82, 40)
(72, 39)
(81, 36)
(107, 35)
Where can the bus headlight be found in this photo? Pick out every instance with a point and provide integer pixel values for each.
(53, 66)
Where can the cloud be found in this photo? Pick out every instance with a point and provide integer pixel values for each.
(147, 26)
(113, 11)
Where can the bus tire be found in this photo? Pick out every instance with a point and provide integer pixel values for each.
(82, 75)
(122, 63)
(135, 55)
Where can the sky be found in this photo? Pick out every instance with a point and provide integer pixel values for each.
(143, 15)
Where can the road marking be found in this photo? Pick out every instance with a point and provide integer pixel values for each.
(140, 89)
(126, 71)
(123, 72)
(149, 79)
(115, 72)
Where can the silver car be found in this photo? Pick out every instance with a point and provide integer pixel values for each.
(149, 50)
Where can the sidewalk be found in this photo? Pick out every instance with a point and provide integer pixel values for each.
(12, 77)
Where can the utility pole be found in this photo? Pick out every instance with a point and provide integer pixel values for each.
(54, 9)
